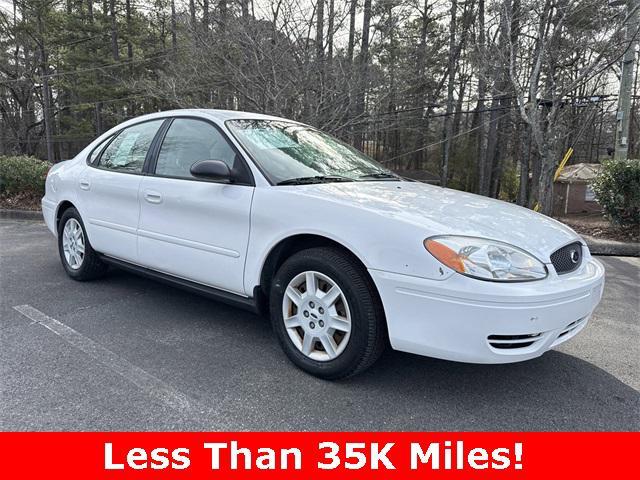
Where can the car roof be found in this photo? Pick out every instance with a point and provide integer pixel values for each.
(220, 115)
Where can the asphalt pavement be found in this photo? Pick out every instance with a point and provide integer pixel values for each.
(126, 353)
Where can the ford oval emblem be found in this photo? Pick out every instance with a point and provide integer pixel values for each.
(574, 255)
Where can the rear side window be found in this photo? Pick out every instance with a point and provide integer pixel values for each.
(189, 141)
(128, 150)
(95, 153)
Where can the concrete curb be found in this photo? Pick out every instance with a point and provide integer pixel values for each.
(21, 214)
(599, 246)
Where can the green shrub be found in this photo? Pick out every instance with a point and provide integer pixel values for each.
(617, 189)
(22, 174)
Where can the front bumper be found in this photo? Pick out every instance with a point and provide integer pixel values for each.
(469, 320)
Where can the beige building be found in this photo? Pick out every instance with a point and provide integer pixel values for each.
(572, 192)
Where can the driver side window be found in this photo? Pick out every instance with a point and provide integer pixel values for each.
(189, 141)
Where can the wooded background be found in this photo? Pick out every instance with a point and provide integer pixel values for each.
(486, 95)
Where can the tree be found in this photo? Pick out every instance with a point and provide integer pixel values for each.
(487, 94)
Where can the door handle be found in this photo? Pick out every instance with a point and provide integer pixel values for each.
(152, 197)
(85, 185)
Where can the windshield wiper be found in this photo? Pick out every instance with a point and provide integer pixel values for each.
(315, 179)
(380, 175)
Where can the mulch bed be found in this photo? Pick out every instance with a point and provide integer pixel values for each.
(599, 227)
(21, 201)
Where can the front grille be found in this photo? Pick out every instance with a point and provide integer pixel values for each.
(508, 342)
(567, 259)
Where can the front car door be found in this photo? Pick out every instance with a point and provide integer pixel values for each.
(109, 188)
(191, 228)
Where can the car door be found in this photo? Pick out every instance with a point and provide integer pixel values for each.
(109, 190)
(192, 228)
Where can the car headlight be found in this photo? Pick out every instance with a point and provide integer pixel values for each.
(485, 259)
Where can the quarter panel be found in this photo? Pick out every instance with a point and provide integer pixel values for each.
(62, 185)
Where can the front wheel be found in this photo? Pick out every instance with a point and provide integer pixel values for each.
(326, 313)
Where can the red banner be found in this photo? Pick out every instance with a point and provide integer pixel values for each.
(329, 456)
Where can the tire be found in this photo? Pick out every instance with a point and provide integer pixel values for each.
(89, 266)
(358, 302)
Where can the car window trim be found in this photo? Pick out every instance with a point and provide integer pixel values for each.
(102, 145)
(96, 163)
(153, 162)
(152, 158)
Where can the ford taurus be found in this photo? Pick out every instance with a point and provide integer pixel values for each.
(344, 255)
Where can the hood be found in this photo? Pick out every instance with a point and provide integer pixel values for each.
(442, 211)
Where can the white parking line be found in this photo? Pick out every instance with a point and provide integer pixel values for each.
(146, 382)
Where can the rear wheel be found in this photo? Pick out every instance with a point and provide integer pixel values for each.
(326, 313)
(78, 258)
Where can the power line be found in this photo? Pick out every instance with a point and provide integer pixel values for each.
(424, 147)
(91, 69)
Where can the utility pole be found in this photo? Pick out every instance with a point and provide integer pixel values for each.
(623, 116)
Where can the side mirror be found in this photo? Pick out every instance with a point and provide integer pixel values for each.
(212, 170)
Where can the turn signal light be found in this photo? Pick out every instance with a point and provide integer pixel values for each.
(445, 254)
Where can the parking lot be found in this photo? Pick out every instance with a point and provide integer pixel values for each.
(126, 353)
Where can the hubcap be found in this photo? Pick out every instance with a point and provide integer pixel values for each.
(316, 316)
(73, 243)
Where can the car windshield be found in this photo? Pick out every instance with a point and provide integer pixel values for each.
(291, 153)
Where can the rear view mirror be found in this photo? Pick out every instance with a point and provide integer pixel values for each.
(211, 169)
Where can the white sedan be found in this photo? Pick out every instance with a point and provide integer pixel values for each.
(344, 255)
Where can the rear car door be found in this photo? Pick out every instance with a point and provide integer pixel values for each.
(109, 190)
(192, 228)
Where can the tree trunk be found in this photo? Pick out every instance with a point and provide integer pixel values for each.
(524, 148)
(129, 30)
(363, 63)
(98, 112)
(545, 181)
(192, 14)
(174, 34)
(46, 92)
(352, 29)
(481, 150)
(330, 27)
(500, 104)
(320, 30)
(448, 120)
(114, 30)
(393, 143)
(222, 8)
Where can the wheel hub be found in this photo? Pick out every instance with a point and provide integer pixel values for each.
(314, 311)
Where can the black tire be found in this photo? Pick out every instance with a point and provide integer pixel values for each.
(91, 266)
(368, 336)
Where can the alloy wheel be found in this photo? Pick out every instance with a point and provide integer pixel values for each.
(73, 244)
(316, 316)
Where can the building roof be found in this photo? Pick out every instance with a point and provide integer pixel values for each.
(579, 173)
